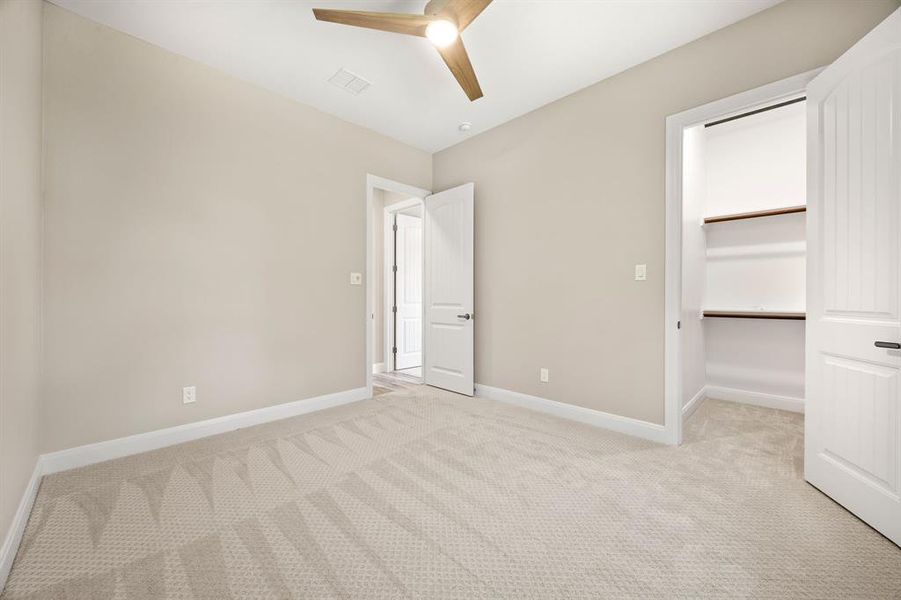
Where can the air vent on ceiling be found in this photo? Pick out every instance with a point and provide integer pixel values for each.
(349, 82)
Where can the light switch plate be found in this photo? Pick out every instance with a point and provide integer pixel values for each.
(356, 279)
(544, 375)
(188, 394)
(641, 272)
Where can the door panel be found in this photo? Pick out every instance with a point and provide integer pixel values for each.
(449, 289)
(859, 416)
(860, 221)
(853, 409)
(408, 292)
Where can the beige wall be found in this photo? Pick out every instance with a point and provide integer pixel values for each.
(571, 196)
(199, 231)
(20, 250)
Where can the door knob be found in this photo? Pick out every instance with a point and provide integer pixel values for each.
(890, 345)
(466, 316)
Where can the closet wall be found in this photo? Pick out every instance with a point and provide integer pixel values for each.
(755, 163)
(694, 266)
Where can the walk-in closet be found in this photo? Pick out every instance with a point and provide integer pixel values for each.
(743, 257)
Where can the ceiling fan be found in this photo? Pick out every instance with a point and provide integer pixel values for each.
(441, 23)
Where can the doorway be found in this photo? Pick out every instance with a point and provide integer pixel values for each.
(385, 199)
(735, 252)
(441, 338)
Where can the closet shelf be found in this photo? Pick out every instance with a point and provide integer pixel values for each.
(756, 214)
(755, 314)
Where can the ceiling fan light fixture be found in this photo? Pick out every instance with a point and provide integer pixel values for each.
(441, 33)
(441, 24)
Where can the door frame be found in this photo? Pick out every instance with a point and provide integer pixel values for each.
(374, 182)
(675, 128)
(389, 213)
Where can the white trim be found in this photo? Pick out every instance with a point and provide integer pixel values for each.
(672, 370)
(378, 368)
(765, 400)
(694, 403)
(20, 519)
(675, 126)
(387, 273)
(388, 319)
(634, 427)
(373, 182)
(94, 453)
(404, 204)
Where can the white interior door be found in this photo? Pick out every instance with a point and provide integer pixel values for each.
(853, 412)
(408, 292)
(449, 289)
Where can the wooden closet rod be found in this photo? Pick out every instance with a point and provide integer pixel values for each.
(756, 111)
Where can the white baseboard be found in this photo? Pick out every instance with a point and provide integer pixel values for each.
(756, 398)
(378, 368)
(17, 527)
(152, 440)
(694, 403)
(634, 427)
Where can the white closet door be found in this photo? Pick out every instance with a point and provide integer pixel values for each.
(408, 292)
(853, 408)
(449, 289)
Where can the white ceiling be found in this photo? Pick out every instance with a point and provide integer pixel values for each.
(526, 52)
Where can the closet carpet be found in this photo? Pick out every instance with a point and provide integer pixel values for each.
(425, 494)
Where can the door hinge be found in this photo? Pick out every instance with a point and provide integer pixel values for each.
(394, 268)
(678, 324)
(394, 350)
(394, 227)
(394, 309)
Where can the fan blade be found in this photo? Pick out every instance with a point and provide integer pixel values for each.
(463, 11)
(393, 22)
(457, 60)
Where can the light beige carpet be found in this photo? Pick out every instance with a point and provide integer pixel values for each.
(395, 381)
(424, 494)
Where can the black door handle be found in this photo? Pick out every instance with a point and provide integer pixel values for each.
(890, 345)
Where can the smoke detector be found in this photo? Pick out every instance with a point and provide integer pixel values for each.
(349, 82)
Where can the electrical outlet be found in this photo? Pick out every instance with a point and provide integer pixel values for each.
(188, 394)
(544, 375)
(356, 279)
